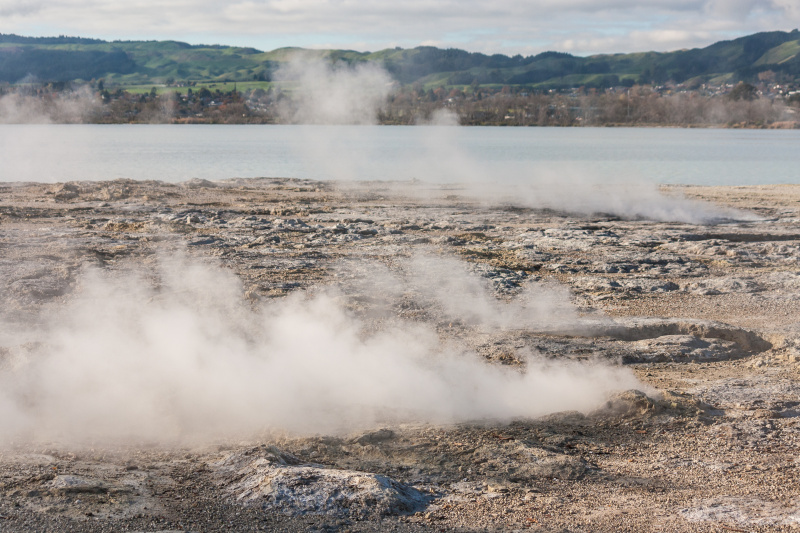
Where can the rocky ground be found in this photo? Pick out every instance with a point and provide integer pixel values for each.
(706, 316)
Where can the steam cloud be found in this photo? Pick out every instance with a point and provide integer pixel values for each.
(178, 355)
(466, 297)
(62, 108)
(341, 94)
(575, 190)
(567, 188)
(334, 93)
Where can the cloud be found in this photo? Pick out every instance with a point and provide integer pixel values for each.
(579, 26)
(734, 9)
(22, 8)
(643, 41)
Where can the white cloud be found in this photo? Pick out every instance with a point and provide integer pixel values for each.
(507, 26)
(732, 9)
(18, 8)
(642, 41)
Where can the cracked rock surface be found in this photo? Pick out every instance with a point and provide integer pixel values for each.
(705, 316)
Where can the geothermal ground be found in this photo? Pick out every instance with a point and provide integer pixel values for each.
(701, 322)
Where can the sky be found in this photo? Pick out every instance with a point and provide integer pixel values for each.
(579, 27)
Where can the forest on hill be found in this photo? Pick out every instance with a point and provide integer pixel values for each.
(773, 55)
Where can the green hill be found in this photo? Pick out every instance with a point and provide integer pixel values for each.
(47, 59)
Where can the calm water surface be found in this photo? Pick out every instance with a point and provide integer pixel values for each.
(438, 154)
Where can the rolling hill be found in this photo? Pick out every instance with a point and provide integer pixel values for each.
(60, 59)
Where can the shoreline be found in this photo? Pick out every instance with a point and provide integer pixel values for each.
(781, 125)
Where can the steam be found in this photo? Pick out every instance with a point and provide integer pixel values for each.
(35, 153)
(333, 93)
(574, 190)
(177, 354)
(441, 117)
(567, 188)
(466, 297)
(342, 94)
(66, 107)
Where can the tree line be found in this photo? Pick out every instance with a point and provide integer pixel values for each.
(743, 106)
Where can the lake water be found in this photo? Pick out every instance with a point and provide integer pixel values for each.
(175, 153)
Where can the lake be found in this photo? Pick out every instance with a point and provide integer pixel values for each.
(173, 153)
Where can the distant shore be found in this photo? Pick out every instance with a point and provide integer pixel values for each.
(628, 107)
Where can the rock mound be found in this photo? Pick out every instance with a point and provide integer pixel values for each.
(628, 404)
(280, 481)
